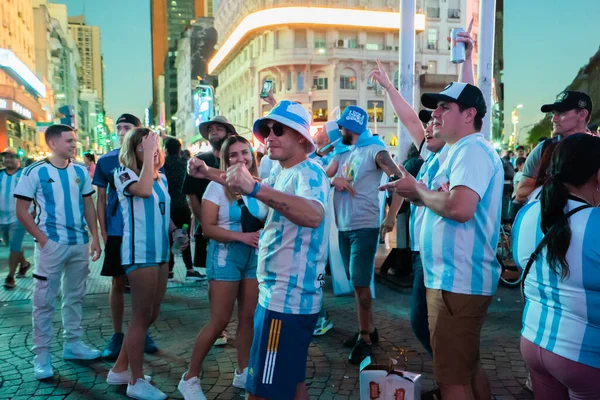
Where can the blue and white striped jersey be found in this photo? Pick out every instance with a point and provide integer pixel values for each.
(291, 258)
(58, 195)
(8, 184)
(461, 257)
(562, 315)
(428, 170)
(145, 221)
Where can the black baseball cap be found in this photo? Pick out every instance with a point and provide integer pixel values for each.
(425, 116)
(457, 92)
(570, 100)
(130, 119)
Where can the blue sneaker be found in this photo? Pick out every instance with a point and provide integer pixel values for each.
(150, 346)
(113, 347)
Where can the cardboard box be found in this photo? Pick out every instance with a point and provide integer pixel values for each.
(387, 382)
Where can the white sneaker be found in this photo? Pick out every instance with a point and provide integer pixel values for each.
(222, 340)
(79, 351)
(122, 378)
(143, 390)
(191, 390)
(42, 366)
(239, 380)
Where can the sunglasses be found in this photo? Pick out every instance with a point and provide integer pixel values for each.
(265, 131)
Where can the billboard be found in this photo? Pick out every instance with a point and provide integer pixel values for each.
(203, 104)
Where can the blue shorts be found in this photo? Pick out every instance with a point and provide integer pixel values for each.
(231, 261)
(358, 249)
(133, 267)
(279, 351)
(13, 234)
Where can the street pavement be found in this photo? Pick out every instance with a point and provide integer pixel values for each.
(185, 310)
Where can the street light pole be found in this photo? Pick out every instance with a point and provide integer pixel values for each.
(487, 16)
(406, 74)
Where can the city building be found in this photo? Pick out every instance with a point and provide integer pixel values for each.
(88, 42)
(325, 66)
(168, 22)
(57, 56)
(22, 94)
(195, 99)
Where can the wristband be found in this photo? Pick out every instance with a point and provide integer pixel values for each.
(255, 190)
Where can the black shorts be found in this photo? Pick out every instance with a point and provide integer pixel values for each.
(112, 257)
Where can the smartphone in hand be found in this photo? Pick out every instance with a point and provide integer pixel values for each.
(267, 86)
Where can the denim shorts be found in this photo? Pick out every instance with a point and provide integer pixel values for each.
(13, 234)
(358, 249)
(133, 267)
(231, 261)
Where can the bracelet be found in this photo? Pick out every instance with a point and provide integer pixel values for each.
(255, 190)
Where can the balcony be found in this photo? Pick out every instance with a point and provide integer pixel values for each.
(433, 12)
(436, 82)
(454, 13)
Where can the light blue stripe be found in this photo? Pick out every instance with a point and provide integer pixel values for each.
(6, 181)
(49, 205)
(149, 214)
(164, 226)
(427, 244)
(590, 344)
(448, 244)
(539, 266)
(293, 282)
(81, 175)
(63, 175)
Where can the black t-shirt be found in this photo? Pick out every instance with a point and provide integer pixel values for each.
(197, 186)
(175, 170)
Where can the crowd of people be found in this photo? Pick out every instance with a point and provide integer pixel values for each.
(262, 228)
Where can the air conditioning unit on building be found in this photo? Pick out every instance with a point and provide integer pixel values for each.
(361, 46)
(388, 47)
(342, 43)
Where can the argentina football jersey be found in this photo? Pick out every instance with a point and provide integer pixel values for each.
(58, 195)
(8, 184)
(145, 220)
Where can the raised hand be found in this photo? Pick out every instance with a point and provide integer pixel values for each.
(239, 179)
(197, 168)
(406, 186)
(381, 76)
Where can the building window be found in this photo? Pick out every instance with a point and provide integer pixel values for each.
(348, 79)
(289, 81)
(375, 110)
(432, 39)
(300, 38)
(432, 67)
(320, 40)
(276, 40)
(396, 77)
(300, 81)
(320, 81)
(320, 113)
(449, 41)
(346, 103)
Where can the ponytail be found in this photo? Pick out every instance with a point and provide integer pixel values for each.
(554, 198)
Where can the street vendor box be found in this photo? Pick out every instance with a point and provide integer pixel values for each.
(386, 382)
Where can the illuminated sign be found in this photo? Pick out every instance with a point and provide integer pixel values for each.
(11, 105)
(203, 104)
(313, 16)
(10, 61)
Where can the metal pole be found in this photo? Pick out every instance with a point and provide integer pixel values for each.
(485, 70)
(408, 9)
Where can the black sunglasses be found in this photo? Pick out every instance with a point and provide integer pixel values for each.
(265, 131)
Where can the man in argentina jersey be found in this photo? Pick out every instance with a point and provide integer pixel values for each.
(61, 191)
(11, 229)
(459, 236)
(146, 235)
(292, 251)
(562, 316)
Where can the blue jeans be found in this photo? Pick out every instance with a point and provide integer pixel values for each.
(418, 304)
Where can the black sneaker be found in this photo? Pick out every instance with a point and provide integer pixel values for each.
(194, 276)
(171, 276)
(149, 346)
(23, 270)
(351, 341)
(9, 283)
(113, 347)
(360, 351)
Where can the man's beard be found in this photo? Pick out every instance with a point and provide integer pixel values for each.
(216, 144)
(347, 139)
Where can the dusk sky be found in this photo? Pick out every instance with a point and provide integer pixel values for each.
(545, 44)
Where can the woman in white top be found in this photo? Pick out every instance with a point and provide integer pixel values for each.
(560, 339)
(230, 267)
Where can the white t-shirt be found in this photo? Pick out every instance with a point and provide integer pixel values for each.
(58, 197)
(461, 257)
(362, 210)
(145, 221)
(230, 213)
(291, 258)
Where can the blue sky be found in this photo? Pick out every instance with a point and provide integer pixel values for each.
(545, 44)
(125, 34)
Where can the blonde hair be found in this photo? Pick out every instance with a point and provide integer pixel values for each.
(231, 196)
(128, 154)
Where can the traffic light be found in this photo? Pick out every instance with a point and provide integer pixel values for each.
(20, 152)
(114, 137)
